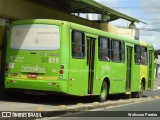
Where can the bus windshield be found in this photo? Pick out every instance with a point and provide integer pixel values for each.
(35, 37)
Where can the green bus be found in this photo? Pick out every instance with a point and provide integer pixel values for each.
(55, 56)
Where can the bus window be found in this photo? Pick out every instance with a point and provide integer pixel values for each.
(116, 51)
(35, 37)
(137, 52)
(78, 45)
(144, 55)
(104, 49)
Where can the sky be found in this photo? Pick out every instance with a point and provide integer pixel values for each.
(145, 10)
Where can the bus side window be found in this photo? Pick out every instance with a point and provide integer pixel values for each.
(104, 48)
(137, 52)
(144, 55)
(78, 44)
(116, 51)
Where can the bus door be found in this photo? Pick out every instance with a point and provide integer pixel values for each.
(90, 62)
(150, 69)
(81, 70)
(129, 68)
(78, 68)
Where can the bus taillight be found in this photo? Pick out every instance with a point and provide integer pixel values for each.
(61, 71)
(62, 66)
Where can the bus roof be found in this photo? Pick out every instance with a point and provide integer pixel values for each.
(81, 28)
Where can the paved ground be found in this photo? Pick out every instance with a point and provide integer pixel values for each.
(157, 84)
(51, 104)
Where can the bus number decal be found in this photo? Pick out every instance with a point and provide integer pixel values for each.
(57, 60)
(50, 60)
(44, 59)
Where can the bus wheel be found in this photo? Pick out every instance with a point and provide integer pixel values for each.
(135, 95)
(103, 93)
(128, 96)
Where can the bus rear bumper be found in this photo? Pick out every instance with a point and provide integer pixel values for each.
(59, 86)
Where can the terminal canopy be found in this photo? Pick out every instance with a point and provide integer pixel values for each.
(85, 6)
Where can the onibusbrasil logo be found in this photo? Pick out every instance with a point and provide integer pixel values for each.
(21, 114)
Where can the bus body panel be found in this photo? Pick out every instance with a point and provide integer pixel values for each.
(38, 69)
(78, 77)
(103, 71)
(118, 78)
(40, 85)
(135, 84)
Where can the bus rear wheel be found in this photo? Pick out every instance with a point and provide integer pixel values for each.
(103, 93)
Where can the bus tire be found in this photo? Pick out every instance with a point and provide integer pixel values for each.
(135, 95)
(103, 93)
(128, 96)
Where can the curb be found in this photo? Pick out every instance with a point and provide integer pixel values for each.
(63, 110)
(80, 107)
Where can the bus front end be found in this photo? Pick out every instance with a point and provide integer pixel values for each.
(33, 59)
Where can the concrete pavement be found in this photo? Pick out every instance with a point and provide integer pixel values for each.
(48, 109)
(157, 84)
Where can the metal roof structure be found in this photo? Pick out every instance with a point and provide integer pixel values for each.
(84, 6)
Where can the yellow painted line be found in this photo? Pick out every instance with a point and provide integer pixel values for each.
(149, 97)
(131, 100)
(40, 109)
(62, 106)
(158, 97)
(51, 78)
(80, 105)
(121, 100)
(140, 99)
(111, 107)
(95, 103)
(109, 102)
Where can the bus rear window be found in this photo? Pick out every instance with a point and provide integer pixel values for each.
(35, 37)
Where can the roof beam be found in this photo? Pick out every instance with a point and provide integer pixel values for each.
(105, 10)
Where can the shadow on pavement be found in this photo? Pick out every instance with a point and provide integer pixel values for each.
(51, 99)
